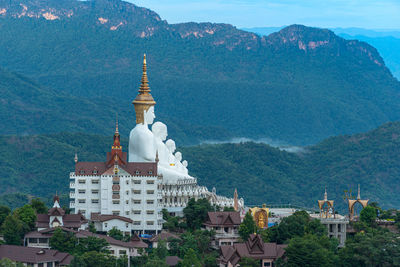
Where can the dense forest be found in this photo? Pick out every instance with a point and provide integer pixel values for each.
(40, 165)
(210, 81)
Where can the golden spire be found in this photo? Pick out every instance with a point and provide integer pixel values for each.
(144, 100)
(116, 124)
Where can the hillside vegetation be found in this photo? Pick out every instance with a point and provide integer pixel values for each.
(299, 85)
(40, 165)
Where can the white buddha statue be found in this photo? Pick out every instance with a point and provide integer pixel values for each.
(142, 146)
(160, 133)
(185, 165)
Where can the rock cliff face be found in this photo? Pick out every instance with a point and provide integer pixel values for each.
(299, 85)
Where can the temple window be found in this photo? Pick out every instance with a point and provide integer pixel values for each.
(150, 182)
(150, 222)
(150, 212)
(137, 181)
(95, 201)
(136, 223)
(82, 172)
(95, 191)
(115, 213)
(137, 172)
(115, 201)
(82, 201)
(150, 192)
(136, 212)
(95, 172)
(82, 191)
(82, 181)
(150, 201)
(136, 201)
(95, 181)
(136, 192)
(150, 172)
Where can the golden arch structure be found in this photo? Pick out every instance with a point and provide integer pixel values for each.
(353, 202)
(260, 216)
(326, 209)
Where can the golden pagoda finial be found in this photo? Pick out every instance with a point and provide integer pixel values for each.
(144, 99)
(116, 123)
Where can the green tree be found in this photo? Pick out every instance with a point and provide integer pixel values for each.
(190, 259)
(374, 248)
(368, 215)
(92, 228)
(116, 233)
(249, 262)
(247, 227)
(9, 263)
(196, 212)
(39, 206)
(12, 230)
(4, 212)
(27, 215)
(94, 259)
(294, 225)
(92, 243)
(62, 241)
(229, 209)
(310, 250)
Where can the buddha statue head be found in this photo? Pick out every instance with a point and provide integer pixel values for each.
(178, 156)
(159, 130)
(185, 163)
(171, 145)
(144, 102)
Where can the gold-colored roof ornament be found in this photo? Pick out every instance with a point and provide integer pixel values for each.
(326, 211)
(260, 216)
(144, 100)
(352, 203)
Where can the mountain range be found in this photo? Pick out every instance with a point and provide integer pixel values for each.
(387, 42)
(40, 165)
(211, 81)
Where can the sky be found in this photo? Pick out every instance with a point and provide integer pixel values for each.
(369, 14)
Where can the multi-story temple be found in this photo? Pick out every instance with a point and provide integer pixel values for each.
(138, 184)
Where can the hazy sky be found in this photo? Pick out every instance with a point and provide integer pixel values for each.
(371, 14)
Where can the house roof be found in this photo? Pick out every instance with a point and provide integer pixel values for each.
(34, 255)
(97, 217)
(172, 260)
(223, 218)
(69, 220)
(163, 236)
(253, 248)
(133, 168)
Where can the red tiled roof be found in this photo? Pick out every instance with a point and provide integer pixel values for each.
(69, 220)
(56, 212)
(163, 236)
(143, 168)
(223, 218)
(97, 217)
(253, 248)
(34, 255)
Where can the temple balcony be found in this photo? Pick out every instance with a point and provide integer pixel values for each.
(72, 205)
(71, 185)
(71, 194)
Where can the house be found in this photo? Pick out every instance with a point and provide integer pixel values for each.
(35, 257)
(165, 236)
(41, 239)
(226, 227)
(104, 223)
(255, 248)
(56, 217)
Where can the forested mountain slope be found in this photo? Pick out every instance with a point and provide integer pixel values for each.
(39, 165)
(299, 85)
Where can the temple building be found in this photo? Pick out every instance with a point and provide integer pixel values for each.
(137, 185)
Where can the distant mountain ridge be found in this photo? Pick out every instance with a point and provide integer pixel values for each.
(299, 85)
(386, 41)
